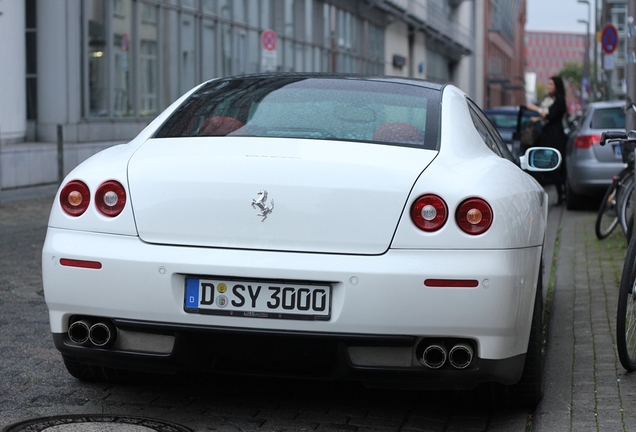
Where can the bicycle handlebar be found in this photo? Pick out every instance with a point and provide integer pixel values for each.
(613, 135)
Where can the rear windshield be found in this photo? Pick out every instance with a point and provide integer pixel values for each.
(312, 108)
(608, 118)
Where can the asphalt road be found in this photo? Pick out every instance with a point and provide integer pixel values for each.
(34, 382)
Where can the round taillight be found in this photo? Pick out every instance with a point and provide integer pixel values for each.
(75, 198)
(110, 198)
(474, 216)
(429, 213)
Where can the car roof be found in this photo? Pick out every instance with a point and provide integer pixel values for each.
(607, 104)
(333, 75)
(508, 110)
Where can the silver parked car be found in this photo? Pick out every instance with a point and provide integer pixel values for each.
(590, 167)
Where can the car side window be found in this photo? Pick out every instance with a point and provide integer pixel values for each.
(488, 132)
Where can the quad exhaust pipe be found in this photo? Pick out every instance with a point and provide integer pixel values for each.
(435, 355)
(86, 332)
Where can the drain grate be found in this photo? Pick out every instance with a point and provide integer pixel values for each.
(95, 423)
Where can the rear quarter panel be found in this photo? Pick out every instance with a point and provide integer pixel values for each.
(465, 167)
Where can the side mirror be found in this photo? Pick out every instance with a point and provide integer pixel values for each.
(540, 159)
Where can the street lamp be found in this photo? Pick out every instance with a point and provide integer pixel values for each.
(586, 62)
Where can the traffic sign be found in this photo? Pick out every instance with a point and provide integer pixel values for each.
(609, 39)
(269, 40)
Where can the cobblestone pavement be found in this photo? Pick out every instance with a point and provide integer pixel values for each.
(585, 386)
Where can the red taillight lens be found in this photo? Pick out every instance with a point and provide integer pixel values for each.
(80, 263)
(429, 213)
(75, 198)
(474, 216)
(586, 141)
(110, 198)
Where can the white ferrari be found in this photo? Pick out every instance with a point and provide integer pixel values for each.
(374, 229)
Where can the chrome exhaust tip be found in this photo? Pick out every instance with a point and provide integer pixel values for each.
(434, 356)
(460, 356)
(78, 332)
(102, 333)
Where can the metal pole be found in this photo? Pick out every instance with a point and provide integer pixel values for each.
(60, 154)
(630, 73)
(595, 81)
(630, 68)
(586, 61)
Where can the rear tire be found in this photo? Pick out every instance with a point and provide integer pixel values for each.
(573, 201)
(528, 391)
(607, 217)
(625, 210)
(626, 311)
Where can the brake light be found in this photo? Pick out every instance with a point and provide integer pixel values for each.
(586, 141)
(474, 216)
(110, 198)
(75, 198)
(429, 213)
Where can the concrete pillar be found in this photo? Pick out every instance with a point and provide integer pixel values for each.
(59, 67)
(12, 71)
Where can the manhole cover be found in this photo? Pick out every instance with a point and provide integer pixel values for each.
(95, 423)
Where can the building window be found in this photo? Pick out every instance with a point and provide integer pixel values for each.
(141, 55)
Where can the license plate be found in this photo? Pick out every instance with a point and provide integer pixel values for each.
(258, 299)
(617, 150)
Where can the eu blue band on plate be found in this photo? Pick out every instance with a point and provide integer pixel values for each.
(192, 293)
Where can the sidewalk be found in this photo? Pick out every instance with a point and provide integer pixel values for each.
(585, 387)
(31, 169)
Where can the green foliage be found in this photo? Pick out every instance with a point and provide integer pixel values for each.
(572, 74)
(540, 91)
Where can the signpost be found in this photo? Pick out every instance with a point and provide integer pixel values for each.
(269, 41)
(609, 39)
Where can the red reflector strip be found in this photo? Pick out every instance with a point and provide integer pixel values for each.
(80, 263)
(451, 283)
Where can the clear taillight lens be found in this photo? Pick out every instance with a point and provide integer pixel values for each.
(75, 198)
(474, 216)
(110, 198)
(429, 213)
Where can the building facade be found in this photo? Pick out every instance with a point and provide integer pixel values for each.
(98, 71)
(503, 43)
(613, 66)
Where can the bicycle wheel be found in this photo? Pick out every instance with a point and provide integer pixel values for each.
(607, 217)
(625, 210)
(626, 311)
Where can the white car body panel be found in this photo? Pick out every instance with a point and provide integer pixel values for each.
(331, 197)
(147, 282)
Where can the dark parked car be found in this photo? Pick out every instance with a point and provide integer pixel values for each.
(590, 166)
(506, 120)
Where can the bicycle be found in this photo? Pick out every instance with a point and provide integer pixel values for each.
(615, 206)
(626, 310)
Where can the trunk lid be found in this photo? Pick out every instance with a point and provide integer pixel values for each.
(322, 196)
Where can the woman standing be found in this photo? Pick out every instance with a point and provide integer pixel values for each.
(553, 109)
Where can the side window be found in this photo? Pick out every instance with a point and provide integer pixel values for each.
(488, 133)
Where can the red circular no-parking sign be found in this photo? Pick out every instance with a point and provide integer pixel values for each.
(609, 38)
(269, 40)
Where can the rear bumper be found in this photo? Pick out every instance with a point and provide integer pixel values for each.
(591, 177)
(141, 289)
(286, 354)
